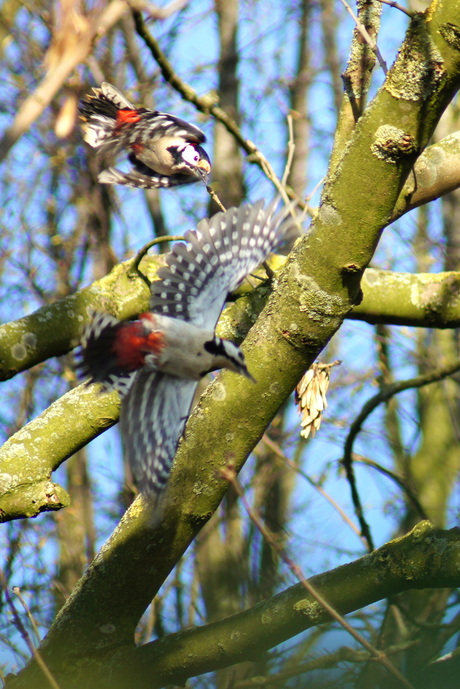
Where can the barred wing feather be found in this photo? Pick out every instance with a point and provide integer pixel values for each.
(215, 259)
(153, 417)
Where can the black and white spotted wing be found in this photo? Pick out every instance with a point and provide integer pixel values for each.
(152, 420)
(217, 256)
(143, 177)
(114, 123)
(96, 358)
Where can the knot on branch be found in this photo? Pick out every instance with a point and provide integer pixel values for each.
(392, 144)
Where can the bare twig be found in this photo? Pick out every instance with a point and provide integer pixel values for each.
(276, 448)
(365, 34)
(376, 654)
(26, 636)
(383, 395)
(291, 151)
(134, 269)
(17, 592)
(215, 198)
(397, 479)
(397, 6)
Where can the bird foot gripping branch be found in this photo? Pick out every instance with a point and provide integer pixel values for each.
(164, 151)
(156, 361)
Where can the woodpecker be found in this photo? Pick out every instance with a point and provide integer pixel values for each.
(163, 150)
(156, 361)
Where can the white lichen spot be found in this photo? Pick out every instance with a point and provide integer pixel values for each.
(6, 482)
(108, 628)
(18, 351)
(266, 618)
(329, 215)
(219, 393)
(274, 388)
(29, 339)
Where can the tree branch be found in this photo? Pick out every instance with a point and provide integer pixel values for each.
(424, 558)
(425, 300)
(385, 393)
(316, 289)
(436, 173)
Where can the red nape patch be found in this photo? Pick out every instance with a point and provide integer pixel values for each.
(133, 341)
(137, 148)
(127, 117)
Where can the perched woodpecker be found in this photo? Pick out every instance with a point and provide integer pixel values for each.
(155, 362)
(163, 150)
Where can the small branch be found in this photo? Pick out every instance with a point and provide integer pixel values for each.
(134, 268)
(215, 198)
(386, 393)
(25, 635)
(230, 475)
(383, 395)
(155, 12)
(397, 479)
(397, 6)
(365, 34)
(335, 505)
(18, 594)
(291, 151)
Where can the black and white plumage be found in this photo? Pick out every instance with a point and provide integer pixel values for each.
(156, 361)
(164, 151)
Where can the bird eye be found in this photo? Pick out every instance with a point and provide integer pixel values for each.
(191, 155)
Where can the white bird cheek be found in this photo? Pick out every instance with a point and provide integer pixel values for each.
(190, 155)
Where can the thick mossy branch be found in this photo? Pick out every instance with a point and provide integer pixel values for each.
(29, 457)
(29, 499)
(54, 329)
(428, 300)
(424, 558)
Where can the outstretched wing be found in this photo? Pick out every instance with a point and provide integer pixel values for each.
(218, 255)
(96, 357)
(153, 417)
(144, 178)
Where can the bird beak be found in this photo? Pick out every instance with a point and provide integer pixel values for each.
(244, 372)
(204, 169)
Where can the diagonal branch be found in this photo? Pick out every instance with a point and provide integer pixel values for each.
(424, 558)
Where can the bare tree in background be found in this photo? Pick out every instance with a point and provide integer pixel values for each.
(263, 80)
